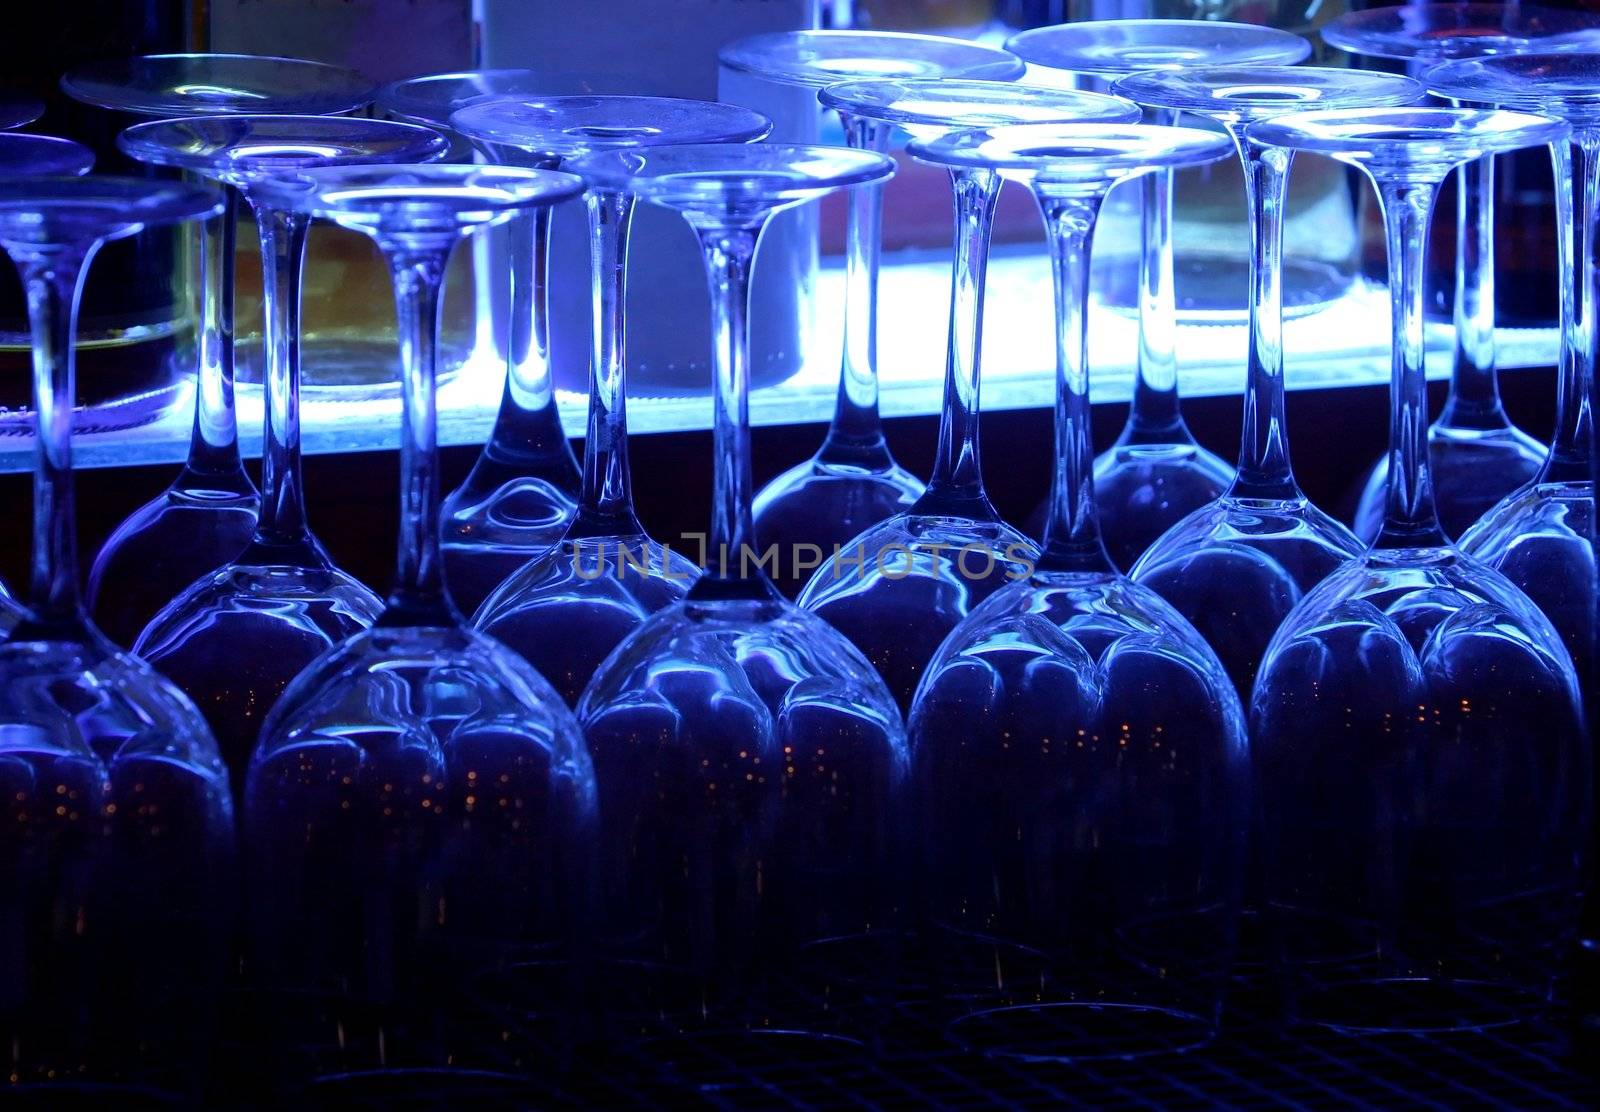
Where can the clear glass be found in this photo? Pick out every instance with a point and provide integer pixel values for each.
(282, 595)
(1156, 473)
(1539, 536)
(1478, 456)
(735, 736)
(205, 517)
(1237, 565)
(32, 156)
(853, 481)
(569, 606)
(116, 831)
(1080, 769)
(19, 111)
(417, 763)
(1422, 768)
(521, 493)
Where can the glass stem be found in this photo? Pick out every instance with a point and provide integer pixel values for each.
(956, 485)
(728, 251)
(1409, 520)
(53, 281)
(1577, 175)
(214, 444)
(1474, 400)
(281, 534)
(1072, 531)
(1264, 471)
(855, 438)
(606, 506)
(1154, 417)
(419, 597)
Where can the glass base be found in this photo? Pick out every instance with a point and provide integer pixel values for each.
(1079, 1032)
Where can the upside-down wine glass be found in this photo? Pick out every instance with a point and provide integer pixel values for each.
(749, 759)
(1237, 565)
(520, 495)
(565, 610)
(1542, 536)
(27, 156)
(116, 830)
(206, 515)
(1422, 769)
(896, 589)
(1477, 455)
(1079, 765)
(235, 637)
(853, 482)
(1156, 472)
(418, 763)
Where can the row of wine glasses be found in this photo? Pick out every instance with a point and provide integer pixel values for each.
(1063, 815)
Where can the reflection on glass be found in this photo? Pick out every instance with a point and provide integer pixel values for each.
(1421, 762)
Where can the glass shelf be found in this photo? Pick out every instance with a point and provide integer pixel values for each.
(1344, 344)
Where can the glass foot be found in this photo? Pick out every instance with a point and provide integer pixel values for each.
(1080, 1032)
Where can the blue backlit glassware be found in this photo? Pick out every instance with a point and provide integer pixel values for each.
(1539, 536)
(1422, 771)
(1079, 766)
(853, 482)
(748, 757)
(417, 774)
(1156, 472)
(566, 609)
(19, 111)
(520, 495)
(206, 515)
(282, 596)
(116, 825)
(1477, 455)
(896, 589)
(35, 156)
(1237, 565)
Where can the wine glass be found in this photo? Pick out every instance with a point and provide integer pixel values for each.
(1541, 536)
(1156, 472)
(117, 822)
(1237, 565)
(419, 763)
(749, 759)
(1478, 456)
(899, 587)
(853, 482)
(19, 111)
(520, 495)
(282, 596)
(1422, 767)
(1079, 765)
(204, 518)
(565, 610)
